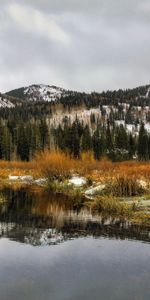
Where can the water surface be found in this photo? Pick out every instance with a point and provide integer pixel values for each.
(52, 249)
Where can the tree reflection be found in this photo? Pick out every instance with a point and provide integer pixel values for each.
(37, 217)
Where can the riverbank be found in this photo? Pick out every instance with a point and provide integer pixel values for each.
(121, 189)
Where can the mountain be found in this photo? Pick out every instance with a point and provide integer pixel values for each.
(40, 92)
(40, 116)
(59, 106)
(47, 93)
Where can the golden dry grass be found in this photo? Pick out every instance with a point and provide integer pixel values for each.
(129, 169)
(55, 165)
(17, 168)
(59, 165)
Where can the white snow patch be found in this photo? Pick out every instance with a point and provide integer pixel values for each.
(11, 177)
(94, 190)
(4, 102)
(22, 178)
(120, 122)
(147, 127)
(77, 181)
(130, 128)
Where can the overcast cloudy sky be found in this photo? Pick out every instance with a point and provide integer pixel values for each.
(77, 44)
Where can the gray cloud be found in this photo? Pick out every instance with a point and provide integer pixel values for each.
(83, 45)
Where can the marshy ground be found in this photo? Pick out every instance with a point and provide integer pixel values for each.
(120, 189)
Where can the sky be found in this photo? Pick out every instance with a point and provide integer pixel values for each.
(84, 45)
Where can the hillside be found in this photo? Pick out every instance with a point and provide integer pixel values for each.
(127, 107)
(40, 92)
(38, 117)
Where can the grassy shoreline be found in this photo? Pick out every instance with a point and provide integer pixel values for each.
(126, 185)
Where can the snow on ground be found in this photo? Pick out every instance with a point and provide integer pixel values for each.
(83, 114)
(130, 128)
(148, 91)
(94, 190)
(147, 127)
(77, 181)
(25, 178)
(12, 178)
(5, 102)
(107, 108)
(120, 122)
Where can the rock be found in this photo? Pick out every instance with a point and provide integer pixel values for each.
(95, 190)
(77, 181)
(40, 181)
(27, 178)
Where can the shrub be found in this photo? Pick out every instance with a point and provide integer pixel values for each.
(125, 186)
(55, 165)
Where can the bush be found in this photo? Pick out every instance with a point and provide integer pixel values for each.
(55, 165)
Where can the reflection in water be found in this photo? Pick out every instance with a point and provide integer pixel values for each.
(39, 218)
(85, 265)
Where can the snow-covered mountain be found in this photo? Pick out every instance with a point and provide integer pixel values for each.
(40, 92)
(44, 93)
(127, 107)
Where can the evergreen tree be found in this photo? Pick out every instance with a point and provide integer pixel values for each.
(98, 144)
(121, 138)
(132, 146)
(143, 144)
(86, 140)
(23, 149)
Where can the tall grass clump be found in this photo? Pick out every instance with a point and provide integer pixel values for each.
(112, 206)
(108, 204)
(87, 164)
(125, 186)
(55, 165)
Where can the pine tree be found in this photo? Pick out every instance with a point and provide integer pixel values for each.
(99, 146)
(23, 149)
(109, 139)
(121, 138)
(86, 140)
(143, 144)
(132, 146)
(43, 130)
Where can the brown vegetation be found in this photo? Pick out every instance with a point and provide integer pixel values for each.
(112, 206)
(56, 165)
(17, 168)
(124, 186)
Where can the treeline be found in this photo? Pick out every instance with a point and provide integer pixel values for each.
(21, 140)
(114, 142)
(134, 97)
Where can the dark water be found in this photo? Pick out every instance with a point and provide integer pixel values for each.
(50, 248)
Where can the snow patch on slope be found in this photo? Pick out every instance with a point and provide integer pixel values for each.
(5, 103)
(44, 93)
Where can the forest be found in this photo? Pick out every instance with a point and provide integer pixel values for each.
(34, 126)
